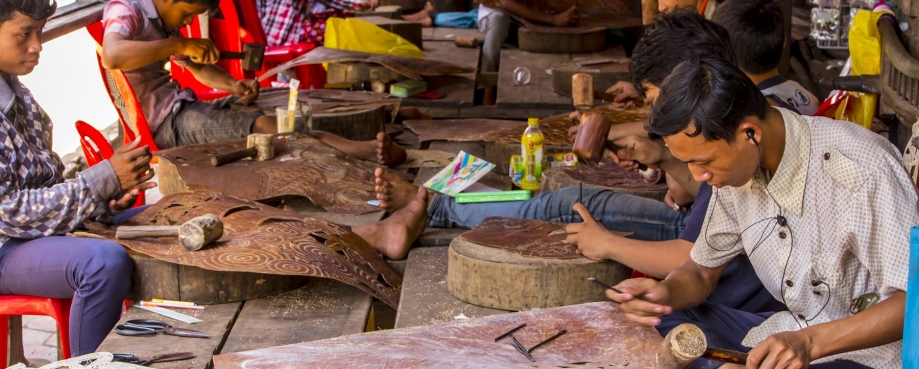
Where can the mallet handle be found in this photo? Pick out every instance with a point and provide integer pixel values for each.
(726, 356)
(233, 156)
(232, 55)
(129, 232)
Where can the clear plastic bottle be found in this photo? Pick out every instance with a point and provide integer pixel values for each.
(531, 145)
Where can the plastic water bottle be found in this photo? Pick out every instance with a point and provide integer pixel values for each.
(531, 150)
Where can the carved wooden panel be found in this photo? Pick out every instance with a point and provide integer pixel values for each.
(302, 166)
(409, 67)
(598, 335)
(525, 236)
(261, 239)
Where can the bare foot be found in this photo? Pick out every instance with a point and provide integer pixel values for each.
(393, 192)
(393, 236)
(427, 22)
(423, 15)
(381, 150)
(388, 153)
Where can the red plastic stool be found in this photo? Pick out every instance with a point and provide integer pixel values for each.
(59, 309)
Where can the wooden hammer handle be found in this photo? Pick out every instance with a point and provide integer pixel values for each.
(232, 55)
(233, 156)
(129, 232)
(726, 356)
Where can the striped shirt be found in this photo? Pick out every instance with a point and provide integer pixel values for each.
(138, 20)
(35, 200)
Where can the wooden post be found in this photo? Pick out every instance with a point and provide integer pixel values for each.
(910, 328)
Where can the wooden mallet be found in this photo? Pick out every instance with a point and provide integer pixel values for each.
(193, 234)
(251, 57)
(259, 146)
(686, 343)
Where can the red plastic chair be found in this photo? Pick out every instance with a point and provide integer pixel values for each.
(130, 113)
(59, 309)
(96, 149)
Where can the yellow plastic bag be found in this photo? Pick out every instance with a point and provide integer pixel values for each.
(357, 35)
(865, 50)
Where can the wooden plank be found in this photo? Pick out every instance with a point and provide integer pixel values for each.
(306, 207)
(493, 112)
(218, 321)
(538, 93)
(323, 309)
(450, 34)
(460, 89)
(425, 298)
(66, 21)
(385, 11)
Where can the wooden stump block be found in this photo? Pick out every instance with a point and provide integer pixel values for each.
(610, 177)
(606, 71)
(155, 278)
(497, 278)
(357, 125)
(351, 72)
(564, 41)
(410, 31)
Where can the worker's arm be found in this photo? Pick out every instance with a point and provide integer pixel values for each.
(878, 325)
(654, 258)
(644, 300)
(568, 17)
(120, 53)
(215, 77)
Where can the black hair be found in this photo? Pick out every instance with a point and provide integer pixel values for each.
(756, 30)
(212, 5)
(35, 9)
(709, 93)
(673, 38)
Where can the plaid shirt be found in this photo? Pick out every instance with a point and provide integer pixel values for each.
(35, 201)
(137, 20)
(283, 20)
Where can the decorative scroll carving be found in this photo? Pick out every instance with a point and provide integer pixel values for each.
(525, 237)
(261, 239)
(302, 166)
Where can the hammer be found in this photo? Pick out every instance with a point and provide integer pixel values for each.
(193, 234)
(686, 343)
(258, 145)
(251, 56)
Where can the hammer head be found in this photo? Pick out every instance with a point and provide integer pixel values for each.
(264, 143)
(681, 347)
(200, 231)
(253, 54)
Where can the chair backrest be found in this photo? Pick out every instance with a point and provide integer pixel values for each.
(250, 21)
(95, 147)
(123, 97)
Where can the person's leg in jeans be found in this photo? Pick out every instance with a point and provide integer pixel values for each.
(497, 25)
(647, 219)
(726, 328)
(95, 273)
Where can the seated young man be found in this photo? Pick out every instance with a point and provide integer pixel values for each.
(756, 28)
(496, 24)
(37, 206)
(657, 228)
(141, 37)
(821, 208)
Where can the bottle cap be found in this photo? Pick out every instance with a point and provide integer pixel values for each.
(533, 122)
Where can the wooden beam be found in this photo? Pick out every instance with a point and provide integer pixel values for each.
(73, 17)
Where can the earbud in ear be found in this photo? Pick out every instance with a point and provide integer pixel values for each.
(816, 282)
(752, 135)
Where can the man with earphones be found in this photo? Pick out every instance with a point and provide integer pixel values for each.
(822, 209)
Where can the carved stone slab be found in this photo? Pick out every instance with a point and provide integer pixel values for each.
(598, 336)
(302, 166)
(261, 239)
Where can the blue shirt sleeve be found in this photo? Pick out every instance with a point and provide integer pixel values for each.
(697, 215)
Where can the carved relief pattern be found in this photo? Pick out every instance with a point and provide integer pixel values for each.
(261, 239)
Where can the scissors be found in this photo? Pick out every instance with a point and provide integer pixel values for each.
(150, 327)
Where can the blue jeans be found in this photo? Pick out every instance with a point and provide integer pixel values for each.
(726, 328)
(647, 219)
(95, 273)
